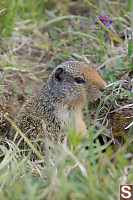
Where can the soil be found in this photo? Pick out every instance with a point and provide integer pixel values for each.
(10, 102)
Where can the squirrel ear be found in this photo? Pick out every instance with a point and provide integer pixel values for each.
(58, 72)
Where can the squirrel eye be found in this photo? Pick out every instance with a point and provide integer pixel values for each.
(79, 80)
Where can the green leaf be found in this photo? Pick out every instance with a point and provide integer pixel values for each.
(104, 73)
(51, 64)
(113, 79)
(2, 89)
(53, 33)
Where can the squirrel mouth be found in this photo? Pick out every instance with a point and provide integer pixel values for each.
(94, 97)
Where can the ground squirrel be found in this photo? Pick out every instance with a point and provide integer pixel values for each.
(64, 92)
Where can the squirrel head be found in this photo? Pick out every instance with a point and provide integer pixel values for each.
(72, 82)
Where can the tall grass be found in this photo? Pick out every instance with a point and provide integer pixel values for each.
(15, 11)
(68, 173)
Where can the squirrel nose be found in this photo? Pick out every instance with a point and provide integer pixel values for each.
(102, 89)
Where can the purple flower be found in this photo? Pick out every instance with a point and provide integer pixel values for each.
(104, 19)
(81, 27)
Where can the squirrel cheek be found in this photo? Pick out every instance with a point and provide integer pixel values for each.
(93, 93)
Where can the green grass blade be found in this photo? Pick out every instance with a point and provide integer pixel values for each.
(129, 48)
(109, 60)
(84, 35)
(118, 39)
(1, 11)
(48, 23)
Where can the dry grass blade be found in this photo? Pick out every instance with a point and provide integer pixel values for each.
(82, 168)
(25, 138)
(123, 107)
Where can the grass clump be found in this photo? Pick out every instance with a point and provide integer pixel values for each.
(69, 173)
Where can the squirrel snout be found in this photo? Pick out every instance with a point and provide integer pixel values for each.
(103, 88)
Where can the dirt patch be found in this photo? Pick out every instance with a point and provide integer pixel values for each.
(12, 100)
